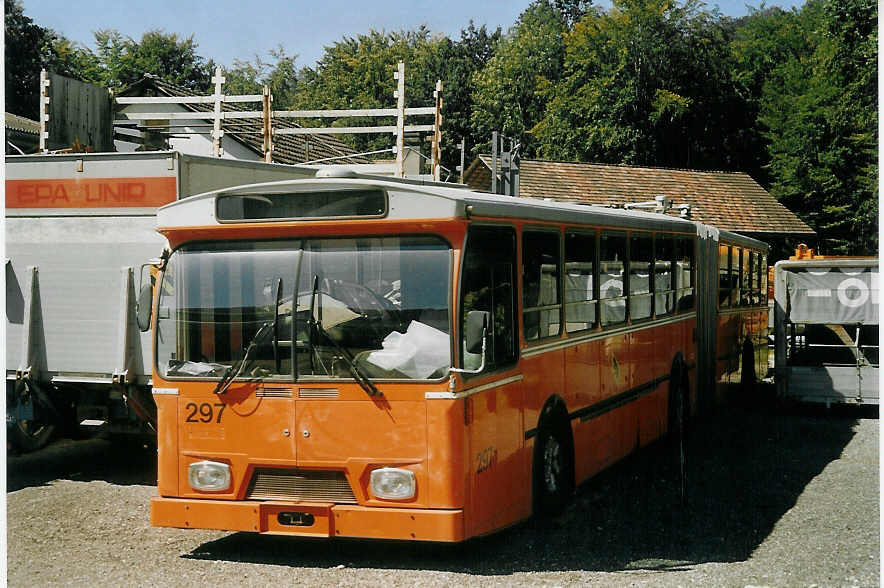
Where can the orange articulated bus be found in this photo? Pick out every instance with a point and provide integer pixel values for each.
(366, 357)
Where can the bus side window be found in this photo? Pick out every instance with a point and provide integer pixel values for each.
(580, 296)
(664, 275)
(488, 284)
(725, 278)
(541, 300)
(612, 263)
(684, 275)
(641, 258)
(745, 278)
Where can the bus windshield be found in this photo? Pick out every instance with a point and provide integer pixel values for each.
(376, 307)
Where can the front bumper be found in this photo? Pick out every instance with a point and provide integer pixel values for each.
(308, 519)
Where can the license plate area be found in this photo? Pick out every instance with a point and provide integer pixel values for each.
(296, 519)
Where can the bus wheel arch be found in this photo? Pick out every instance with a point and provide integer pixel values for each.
(553, 480)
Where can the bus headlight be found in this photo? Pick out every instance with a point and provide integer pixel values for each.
(209, 476)
(392, 484)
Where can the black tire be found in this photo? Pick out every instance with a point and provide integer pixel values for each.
(679, 408)
(29, 435)
(748, 377)
(679, 415)
(553, 475)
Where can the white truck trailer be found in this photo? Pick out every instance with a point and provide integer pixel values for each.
(826, 330)
(80, 229)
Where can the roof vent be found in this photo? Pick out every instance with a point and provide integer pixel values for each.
(335, 171)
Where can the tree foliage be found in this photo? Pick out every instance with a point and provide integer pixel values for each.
(509, 92)
(279, 74)
(644, 83)
(819, 111)
(28, 49)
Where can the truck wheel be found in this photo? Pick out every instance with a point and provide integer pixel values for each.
(32, 434)
(553, 469)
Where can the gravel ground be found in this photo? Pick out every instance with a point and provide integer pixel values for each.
(771, 500)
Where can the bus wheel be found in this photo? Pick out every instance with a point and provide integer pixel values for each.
(32, 433)
(553, 469)
(679, 400)
(748, 379)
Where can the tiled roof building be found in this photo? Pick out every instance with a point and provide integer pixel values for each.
(727, 200)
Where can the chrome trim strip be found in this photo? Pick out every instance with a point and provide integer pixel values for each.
(598, 335)
(80, 380)
(489, 386)
(165, 391)
(440, 395)
(472, 391)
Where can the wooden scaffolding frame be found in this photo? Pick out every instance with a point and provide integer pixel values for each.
(217, 115)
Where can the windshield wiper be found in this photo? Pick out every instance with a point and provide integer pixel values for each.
(234, 370)
(360, 378)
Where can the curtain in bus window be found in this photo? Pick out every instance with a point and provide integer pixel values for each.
(641, 258)
(754, 298)
(685, 272)
(612, 255)
(540, 297)
(580, 303)
(762, 280)
(488, 284)
(745, 278)
(664, 286)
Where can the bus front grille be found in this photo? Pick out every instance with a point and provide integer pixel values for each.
(307, 485)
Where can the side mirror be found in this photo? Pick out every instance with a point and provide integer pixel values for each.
(144, 301)
(475, 326)
(143, 307)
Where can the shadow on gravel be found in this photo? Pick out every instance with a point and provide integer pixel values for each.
(745, 469)
(119, 461)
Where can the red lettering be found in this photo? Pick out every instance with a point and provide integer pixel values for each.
(60, 194)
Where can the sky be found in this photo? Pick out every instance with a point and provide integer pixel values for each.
(225, 30)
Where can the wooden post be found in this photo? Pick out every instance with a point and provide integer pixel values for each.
(437, 133)
(268, 125)
(399, 94)
(217, 132)
(44, 110)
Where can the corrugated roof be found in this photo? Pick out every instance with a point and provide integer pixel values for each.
(728, 200)
(290, 149)
(20, 123)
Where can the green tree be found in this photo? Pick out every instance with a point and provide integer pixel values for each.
(28, 49)
(509, 92)
(123, 61)
(820, 114)
(357, 72)
(279, 74)
(760, 44)
(644, 83)
(460, 61)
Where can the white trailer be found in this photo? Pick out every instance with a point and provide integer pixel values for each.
(80, 229)
(826, 330)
